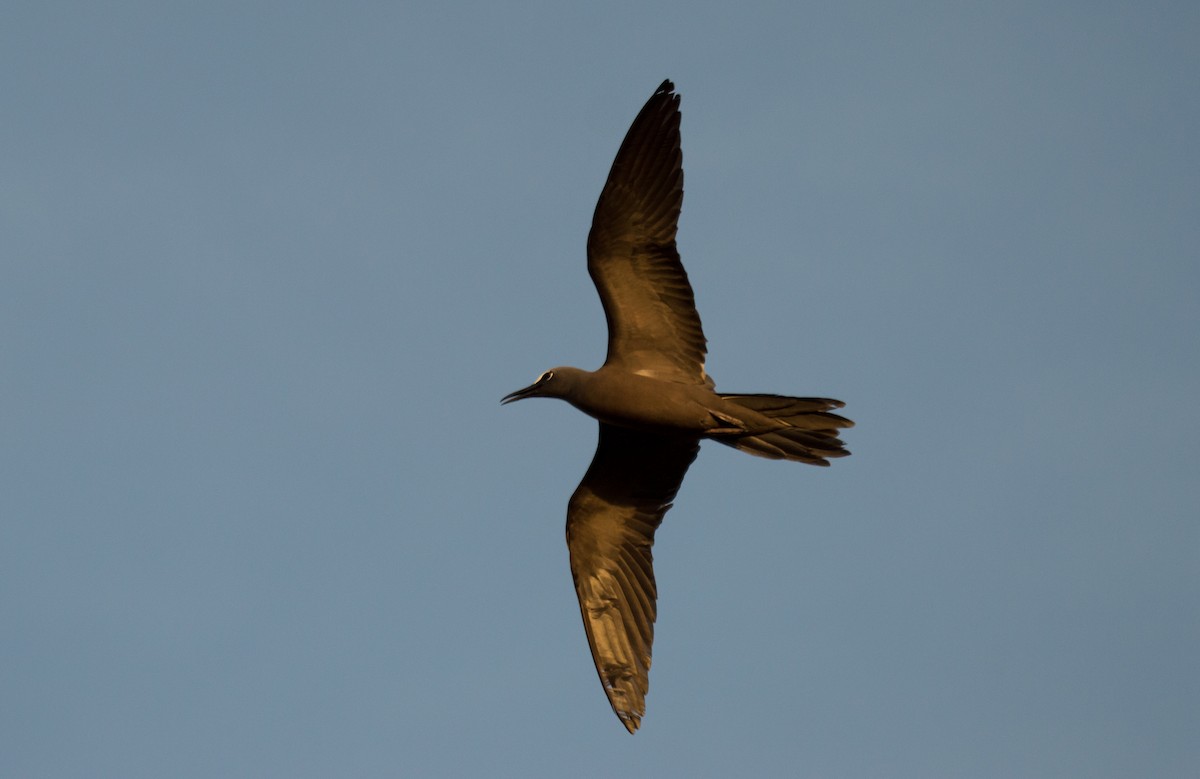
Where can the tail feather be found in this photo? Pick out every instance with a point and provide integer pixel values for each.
(809, 434)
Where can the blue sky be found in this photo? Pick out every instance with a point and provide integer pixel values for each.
(267, 269)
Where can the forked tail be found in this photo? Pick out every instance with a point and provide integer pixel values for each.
(809, 432)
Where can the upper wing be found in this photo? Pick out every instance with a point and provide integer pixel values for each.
(653, 327)
(610, 528)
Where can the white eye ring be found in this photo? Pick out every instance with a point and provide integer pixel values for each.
(547, 376)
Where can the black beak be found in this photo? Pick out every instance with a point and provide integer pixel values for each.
(527, 392)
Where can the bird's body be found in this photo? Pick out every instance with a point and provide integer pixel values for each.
(654, 402)
(641, 402)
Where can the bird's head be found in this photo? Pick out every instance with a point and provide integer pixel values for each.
(551, 384)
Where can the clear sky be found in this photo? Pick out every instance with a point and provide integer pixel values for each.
(266, 270)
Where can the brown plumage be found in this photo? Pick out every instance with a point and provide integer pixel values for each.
(654, 402)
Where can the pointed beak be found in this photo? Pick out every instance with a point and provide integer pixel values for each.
(527, 392)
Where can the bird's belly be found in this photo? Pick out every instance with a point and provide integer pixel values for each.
(696, 420)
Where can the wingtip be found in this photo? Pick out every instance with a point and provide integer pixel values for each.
(630, 722)
(666, 87)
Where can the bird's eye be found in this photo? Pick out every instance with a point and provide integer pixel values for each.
(547, 376)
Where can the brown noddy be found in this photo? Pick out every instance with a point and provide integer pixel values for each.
(654, 402)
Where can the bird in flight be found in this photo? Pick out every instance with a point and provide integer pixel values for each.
(654, 403)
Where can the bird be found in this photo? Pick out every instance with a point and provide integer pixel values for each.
(654, 402)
